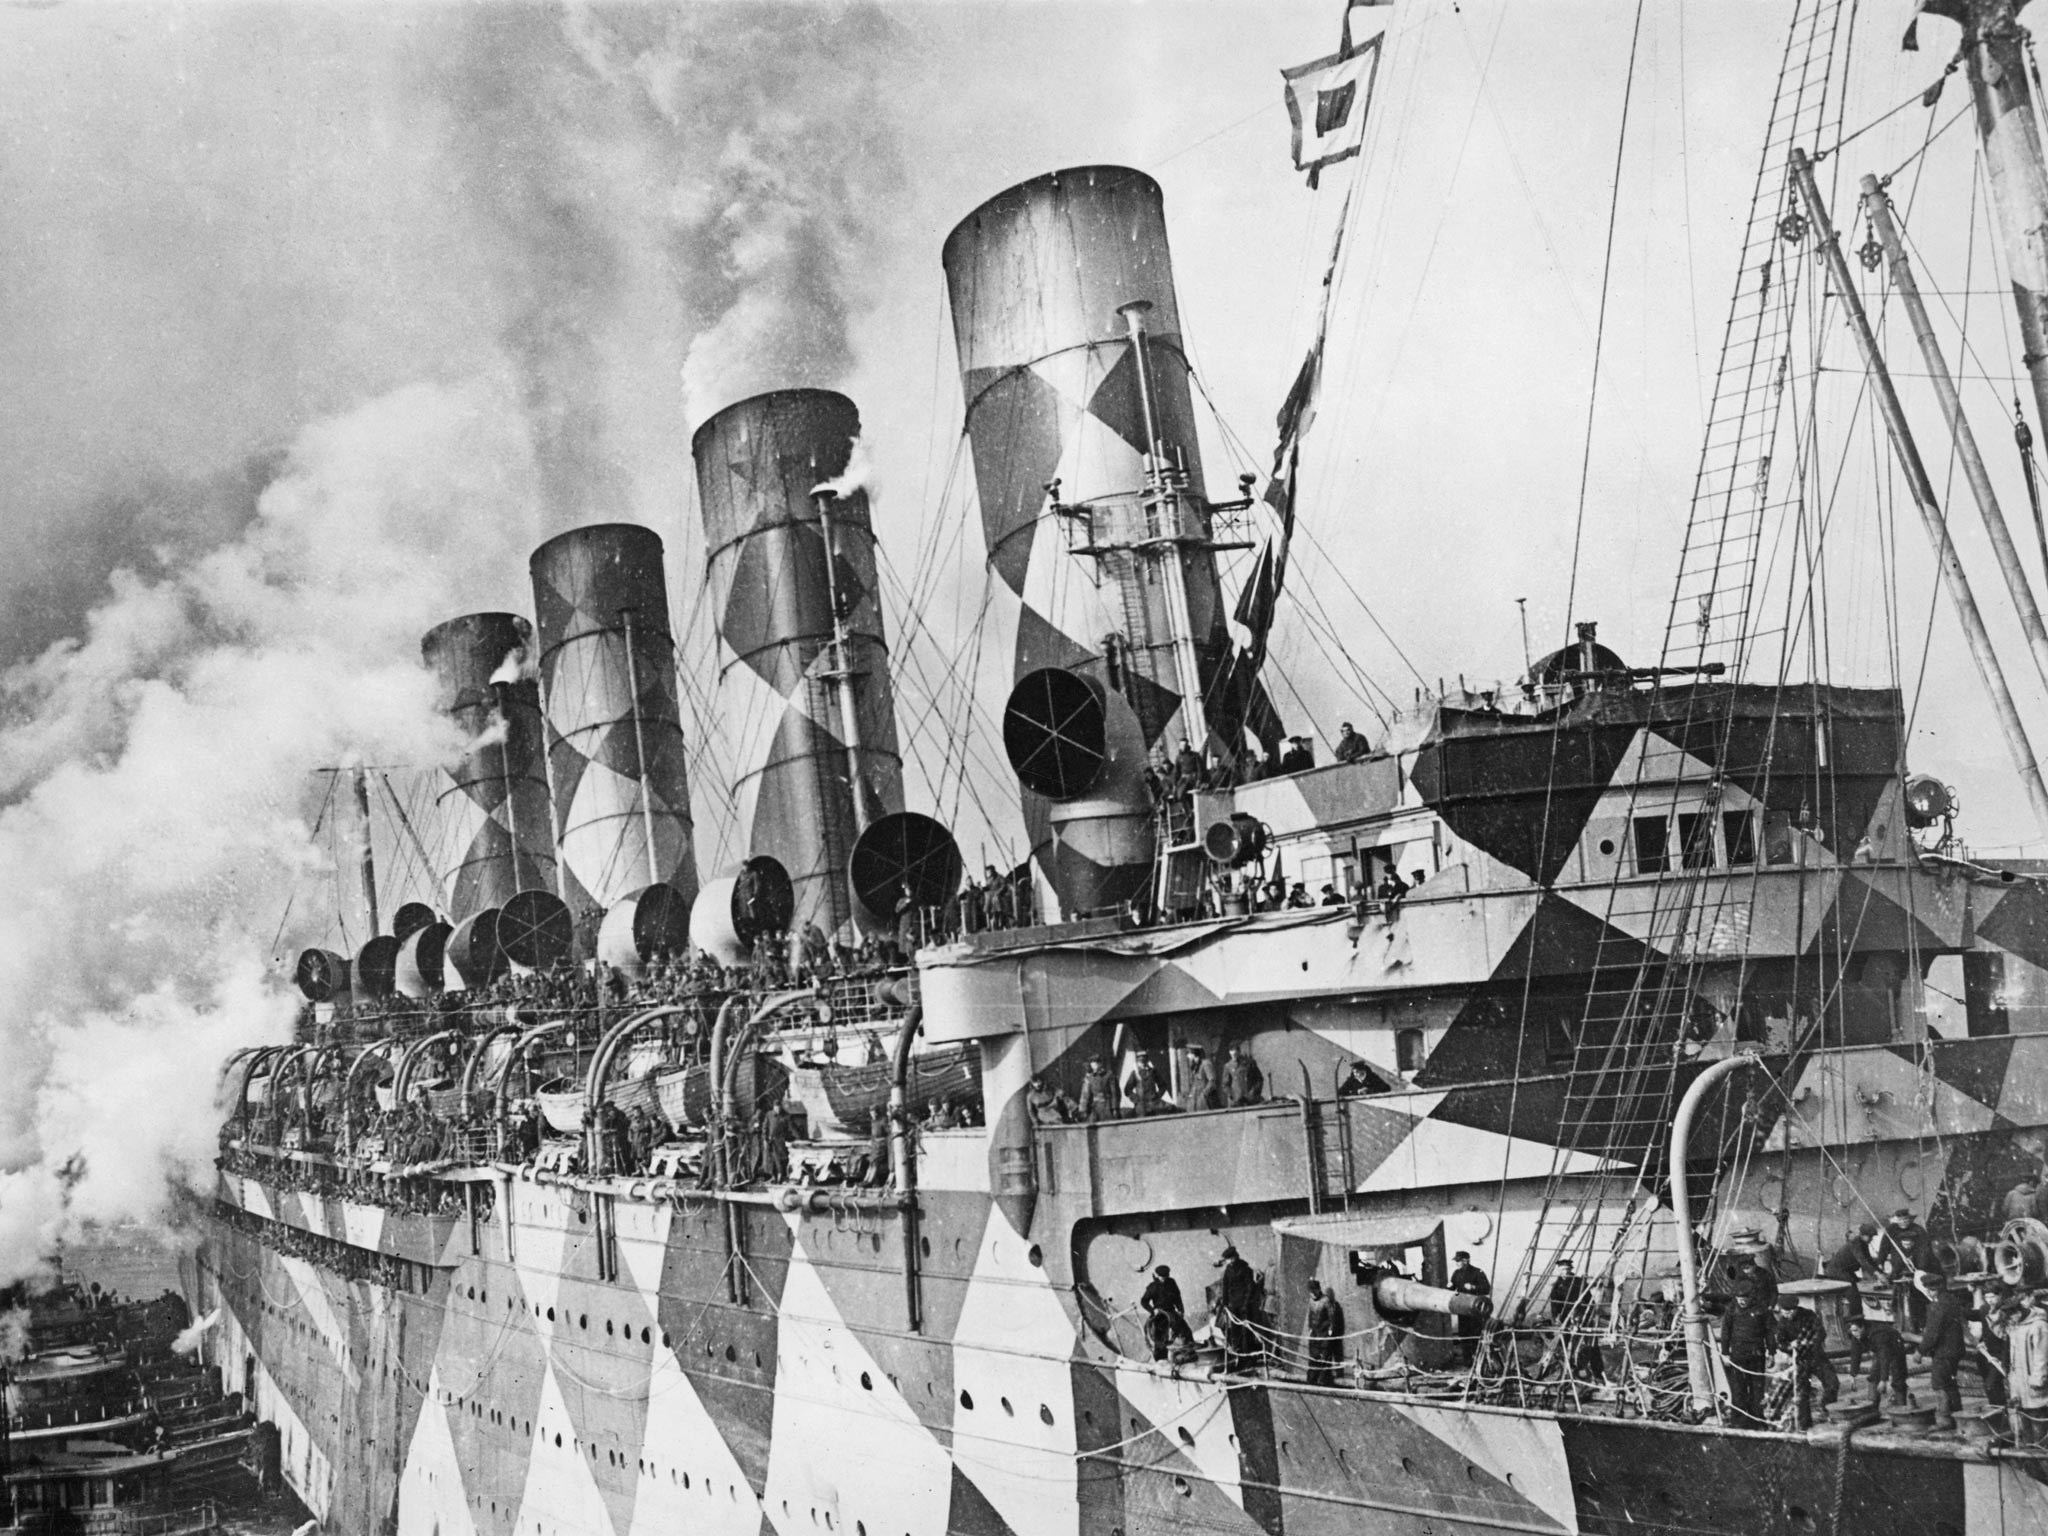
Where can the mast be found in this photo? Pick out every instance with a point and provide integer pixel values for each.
(841, 674)
(359, 779)
(1995, 56)
(1163, 536)
(1922, 488)
(1877, 207)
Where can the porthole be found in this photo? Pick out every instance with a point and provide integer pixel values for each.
(967, 1399)
(558, 1442)
(731, 1354)
(583, 1321)
(551, 1314)
(1407, 1466)
(1044, 1414)
(1008, 1411)
(1183, 1487)
(924, 1246)
(1185, 1438)
(646, 1336)
(866, 1382)
(1607, 845)
(1035, 1256)
(608, 1328)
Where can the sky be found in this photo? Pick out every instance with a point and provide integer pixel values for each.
(314, 319)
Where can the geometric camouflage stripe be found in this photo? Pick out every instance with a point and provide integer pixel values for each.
(439, 1412)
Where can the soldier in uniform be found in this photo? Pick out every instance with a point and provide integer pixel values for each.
(1202, 1089)
(1468, 1279)
(1237, 1303)
(1099, 1096)
(1243, 1082)
(1325, 1335)
(1166, 1317)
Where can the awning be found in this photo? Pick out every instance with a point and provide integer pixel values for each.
(1342, 1229)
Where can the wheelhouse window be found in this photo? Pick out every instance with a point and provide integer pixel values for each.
(1408, 1050)
(1738, 836)
(1696, 839)
(1652, 836)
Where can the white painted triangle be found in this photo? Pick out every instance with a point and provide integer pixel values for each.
(1521, 1450)
(431, 1496)
(1438, 1152)
(1023, 1465)
(684, 1441)
(560, 1494)
(1173, 1404)
(899, 1478)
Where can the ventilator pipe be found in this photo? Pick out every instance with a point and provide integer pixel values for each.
(1396, 1294)
(402, 1079)
(279, 1075)
(1698, 1365)
(475, 1057)
(240, 1060)
(902, 1164)
(513, 1058)
(600, 1069)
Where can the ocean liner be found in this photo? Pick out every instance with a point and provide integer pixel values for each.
(1470, 1089)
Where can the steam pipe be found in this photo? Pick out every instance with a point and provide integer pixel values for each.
(256, 1060)
(725, 1094)
(1698, 1365)
(842, 673)
(368, 857)
(640, 745)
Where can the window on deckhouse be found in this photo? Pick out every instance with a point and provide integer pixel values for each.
(1738, 836)
(1652, 840)
(1696, 838)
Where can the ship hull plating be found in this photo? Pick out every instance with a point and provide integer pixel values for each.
(620, 1357)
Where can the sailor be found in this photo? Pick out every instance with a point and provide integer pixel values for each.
(2027, 1384)
(939, 1116)
(1202, 1089)
(1331, 898)
(1799, 1334)
(1148, 1094)
(1942, 1343)
(1350, 745)
(1187, 769)
(1299, 757)
(2019, 1200)
(1237, 1302)
(1166, 1318)
(1393, 890)
(1357, 1081)
(973, 913)
(1275, 896)
(817, 952)
(1880, 1336)
(1907, 1249)
(1243, 1082)
(1043, 1104)
(1568, 1297)
(773, 1131)
(1854, 1263)
(1099, 1096)
(1746, 1334)
(1297, 896)
(1468, 1279)
(640, 1136)
(1325, 1329)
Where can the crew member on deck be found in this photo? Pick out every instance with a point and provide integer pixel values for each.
(1237, 1303)
(1099, 1096)
(1325, 1335)
(1468, 1279)
(1243, 1082)
(1166, 1317)
(1350, 745)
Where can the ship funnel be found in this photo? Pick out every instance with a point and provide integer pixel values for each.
(616, 770)
(1074, 410)
(494, 798)
(804, 665)
(733, 912)
(1080, 746)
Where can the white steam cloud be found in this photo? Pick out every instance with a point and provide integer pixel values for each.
(639, 215)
